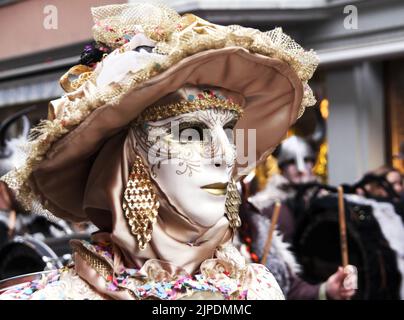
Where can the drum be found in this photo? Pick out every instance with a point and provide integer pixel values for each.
(317, 246)
(3, 233)
(18, 280)
(26, 254)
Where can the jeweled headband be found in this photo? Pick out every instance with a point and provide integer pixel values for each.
(190, 99)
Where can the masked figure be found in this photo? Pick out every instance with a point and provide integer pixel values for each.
(143, 145)
(296, 157)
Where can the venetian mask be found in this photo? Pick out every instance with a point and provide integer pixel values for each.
(296, 159)
(191, 158)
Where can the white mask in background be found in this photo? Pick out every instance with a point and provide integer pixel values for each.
(191, 157)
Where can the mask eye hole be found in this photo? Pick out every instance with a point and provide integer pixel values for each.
(309, 160)
(189, 132)
(229, 129)
(289, 162)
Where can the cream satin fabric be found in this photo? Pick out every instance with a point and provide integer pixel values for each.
(172, 230)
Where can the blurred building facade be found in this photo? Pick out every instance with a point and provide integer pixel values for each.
(360, 45)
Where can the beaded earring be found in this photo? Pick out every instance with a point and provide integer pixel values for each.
(140, 203)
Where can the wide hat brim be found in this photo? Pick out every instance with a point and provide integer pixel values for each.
(273, 97)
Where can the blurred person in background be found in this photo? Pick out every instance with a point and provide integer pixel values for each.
(392, 176)
(295, 158)
(282, 263)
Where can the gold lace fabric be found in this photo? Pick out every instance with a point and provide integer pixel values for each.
(115, 24)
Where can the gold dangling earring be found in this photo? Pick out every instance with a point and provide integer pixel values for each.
(233, 201)
(140, 203)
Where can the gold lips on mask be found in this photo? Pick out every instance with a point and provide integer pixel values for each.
(217, 189)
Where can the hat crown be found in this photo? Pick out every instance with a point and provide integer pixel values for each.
(115, 25)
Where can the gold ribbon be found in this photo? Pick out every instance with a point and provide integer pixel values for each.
(80, 71)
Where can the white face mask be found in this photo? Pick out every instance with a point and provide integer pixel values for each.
(191, 158)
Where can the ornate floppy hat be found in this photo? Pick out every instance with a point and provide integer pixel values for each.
(152, 53)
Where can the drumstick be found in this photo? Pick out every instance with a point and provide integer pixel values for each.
(342, 227)
(11, 222)
(274, 221)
